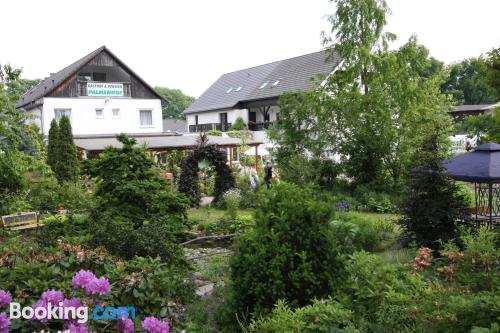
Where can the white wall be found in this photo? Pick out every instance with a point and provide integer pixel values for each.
(35, 117)
(84, 121)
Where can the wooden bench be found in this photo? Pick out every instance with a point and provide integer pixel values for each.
(20, 221)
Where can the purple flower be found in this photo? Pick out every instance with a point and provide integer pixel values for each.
(82, 279)
(125, 326)
(154, 325)
(5, 298)
(53, 297)
(77, 327)
(4, 323)
(98, 286)
(72, 303)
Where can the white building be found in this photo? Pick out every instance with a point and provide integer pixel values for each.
(253, 93)
(101, 96)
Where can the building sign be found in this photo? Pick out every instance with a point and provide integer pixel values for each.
(104, 89)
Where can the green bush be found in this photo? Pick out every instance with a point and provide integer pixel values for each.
(238, 125)
(369, 232)
(373, 201)
(286, 255)
(137, 212)
(321, 316)
(432, 207)
(151, 286)
(215, 132)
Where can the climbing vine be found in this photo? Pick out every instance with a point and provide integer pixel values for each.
(189, 182)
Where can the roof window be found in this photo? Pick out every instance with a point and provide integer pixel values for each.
(275, 83)
(239, 88)
(263, 85)
(229, 90)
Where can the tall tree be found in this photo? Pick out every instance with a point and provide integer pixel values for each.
(177, 102)
(433, 203)
(375, 109)
(15, 134)
(66, 165)
(468, 82)
(493, 75)
(52, 146)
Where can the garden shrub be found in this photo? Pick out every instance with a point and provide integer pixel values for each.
(434, 204)
(137, 213)
(215, 132)
(238, 125)
(374, 201)
(433, 207)
(369, 232)
(321, 316)
(286, 254)
(153, 287)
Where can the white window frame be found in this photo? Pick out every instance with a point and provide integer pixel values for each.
(152, 122)
(102, 113)
(116, 116)
(62, 111)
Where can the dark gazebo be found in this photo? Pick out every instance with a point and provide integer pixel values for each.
(481, 167)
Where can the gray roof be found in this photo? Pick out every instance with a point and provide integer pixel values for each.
(157, 141)
(49, 84)
(174, 125)
(474, 107)
(294, 74)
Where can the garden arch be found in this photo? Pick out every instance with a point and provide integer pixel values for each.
(188, 180)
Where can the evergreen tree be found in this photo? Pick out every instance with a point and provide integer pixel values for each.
(66, 165)
(52, 150)
(434, 202)
(289, 255)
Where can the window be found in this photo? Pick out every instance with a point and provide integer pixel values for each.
(116, 113)
(146, 117)
(276, 83)
(229, 90)
(58, 113)
(99, 113)
(85, 77)
(223, 118)
(263, 85)
(239, 88)
(99, 77)
(196, 120)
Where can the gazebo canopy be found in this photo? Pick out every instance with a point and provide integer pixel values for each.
(480, 166)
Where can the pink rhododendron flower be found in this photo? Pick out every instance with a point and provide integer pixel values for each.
(125, 326)
(82, 279)
(5, 298)
(154, 325)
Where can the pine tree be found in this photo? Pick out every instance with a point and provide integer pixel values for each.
(52, 145)
(67, 168)
(434, 202)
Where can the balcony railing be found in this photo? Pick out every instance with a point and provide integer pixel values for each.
(209, 127)
(259, 126)
(127, 89)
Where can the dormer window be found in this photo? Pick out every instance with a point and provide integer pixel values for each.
(263, 85)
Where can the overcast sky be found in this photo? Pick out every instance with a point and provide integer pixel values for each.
(188, 44)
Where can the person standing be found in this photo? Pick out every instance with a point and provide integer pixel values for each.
(268, 173)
